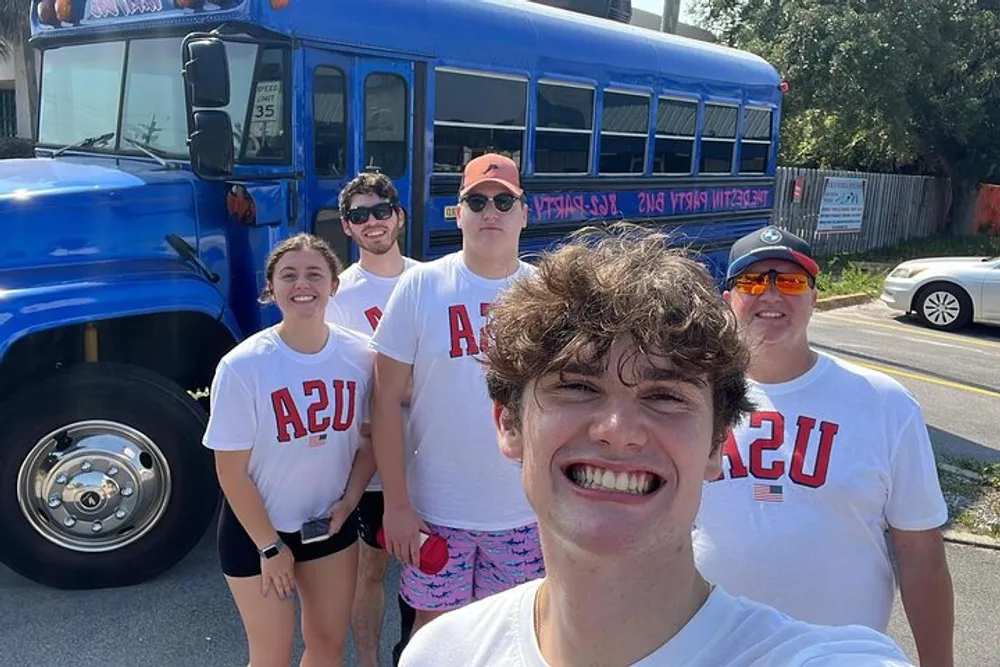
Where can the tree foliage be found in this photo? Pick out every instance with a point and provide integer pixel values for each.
(14, 25)
(910, 86)
(15, 30)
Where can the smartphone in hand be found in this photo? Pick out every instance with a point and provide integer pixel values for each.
(315, 530)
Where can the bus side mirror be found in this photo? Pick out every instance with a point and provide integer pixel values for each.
(206, 72)
(211, 144)
(206, 90)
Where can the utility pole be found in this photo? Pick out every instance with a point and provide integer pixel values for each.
(671, 15)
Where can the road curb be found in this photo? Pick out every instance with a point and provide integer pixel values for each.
(970, 539)
(962, 472)
(831, 302)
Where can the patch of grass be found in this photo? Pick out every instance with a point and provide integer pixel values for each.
(973, 505)
(864, 272)
(851, 279)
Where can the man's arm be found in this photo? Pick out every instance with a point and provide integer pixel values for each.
(392, 379)
(392, 389)
(926, 590)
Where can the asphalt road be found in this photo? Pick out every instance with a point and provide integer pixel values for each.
(956, 379)
(975, 574)
(187, 619)
(954, 376)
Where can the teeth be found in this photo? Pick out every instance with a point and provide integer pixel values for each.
(770, 316)
(303, 298)
(591, 477)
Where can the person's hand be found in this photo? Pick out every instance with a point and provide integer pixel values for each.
(278, 574)
(338, 514)
(401, 527)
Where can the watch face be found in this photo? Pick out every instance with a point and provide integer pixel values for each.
(270, 552)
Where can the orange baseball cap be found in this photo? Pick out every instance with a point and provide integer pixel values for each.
(491, 168)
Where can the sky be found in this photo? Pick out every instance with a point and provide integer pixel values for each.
(656, 6)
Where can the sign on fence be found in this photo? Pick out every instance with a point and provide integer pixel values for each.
(843, 205)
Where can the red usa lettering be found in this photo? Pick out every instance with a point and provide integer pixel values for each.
(374, 316)
(462, 335)
(765, 467)
(320, 418)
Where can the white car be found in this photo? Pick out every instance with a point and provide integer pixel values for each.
(946, 293)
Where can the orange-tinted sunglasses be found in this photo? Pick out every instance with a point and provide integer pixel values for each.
(755, 284)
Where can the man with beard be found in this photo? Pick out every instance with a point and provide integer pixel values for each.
(371, 215)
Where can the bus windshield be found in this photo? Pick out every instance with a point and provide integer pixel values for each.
(134, 91)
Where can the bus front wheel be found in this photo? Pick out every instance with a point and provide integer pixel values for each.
(103, 481)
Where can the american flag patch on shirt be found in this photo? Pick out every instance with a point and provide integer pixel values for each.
(317, 440)
(771, 493)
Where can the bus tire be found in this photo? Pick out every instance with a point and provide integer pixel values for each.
(103, 479)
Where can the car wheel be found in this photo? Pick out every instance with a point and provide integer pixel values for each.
(944, 307)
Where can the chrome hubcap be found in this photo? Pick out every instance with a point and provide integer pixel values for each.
(94, 486)
(941, 308)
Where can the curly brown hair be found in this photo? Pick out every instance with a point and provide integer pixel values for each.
(607, 283)
(298, 242)
(368, 183)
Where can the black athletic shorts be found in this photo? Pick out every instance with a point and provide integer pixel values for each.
(240, 558)
(369, 516)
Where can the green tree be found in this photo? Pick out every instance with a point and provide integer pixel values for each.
(15, 29)
(888, 85)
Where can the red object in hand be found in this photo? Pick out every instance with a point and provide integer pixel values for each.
(433, 551)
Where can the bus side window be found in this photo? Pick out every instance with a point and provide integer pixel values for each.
(565, 125)
(675, 133)
(385, 123)
(718, 139)
(330, 123)
(755, 148)
(475, 114)
(624, 133)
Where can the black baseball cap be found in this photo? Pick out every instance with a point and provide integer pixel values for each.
(770, 243)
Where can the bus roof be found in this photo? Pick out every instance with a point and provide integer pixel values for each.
(513, 36)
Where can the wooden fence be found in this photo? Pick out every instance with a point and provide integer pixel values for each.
(897, 208)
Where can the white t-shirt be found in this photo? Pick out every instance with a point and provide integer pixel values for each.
(726, 632)
(358, 305)
(811, 483)
(458, 478)
(300, 414)
(361, 297)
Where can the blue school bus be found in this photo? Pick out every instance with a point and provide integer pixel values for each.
(179, 140)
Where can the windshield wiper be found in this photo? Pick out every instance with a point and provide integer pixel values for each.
(85, 143)
(154, 153)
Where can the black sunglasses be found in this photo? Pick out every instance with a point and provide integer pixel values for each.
(504, 202)
(359, 214)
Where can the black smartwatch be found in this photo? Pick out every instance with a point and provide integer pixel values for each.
(271, 550)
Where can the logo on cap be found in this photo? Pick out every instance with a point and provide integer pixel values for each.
(770, 235)
(493, 167)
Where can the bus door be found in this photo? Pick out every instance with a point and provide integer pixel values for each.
(360, 113)
(385, 93)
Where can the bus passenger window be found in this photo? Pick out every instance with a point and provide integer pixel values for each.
(624, 133)
(330, 123)
(675, 131)
(565, 125)
(385, 124)
(718, 139)
(755, 148)
(476, 114)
